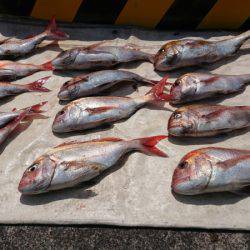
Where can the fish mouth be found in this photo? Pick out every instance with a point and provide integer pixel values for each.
(56, 128)
(162, 66)
(175, 130)
(25, 189)
(62, 96)
(178, 184)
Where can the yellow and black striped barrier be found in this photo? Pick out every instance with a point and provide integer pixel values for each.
(159, 14)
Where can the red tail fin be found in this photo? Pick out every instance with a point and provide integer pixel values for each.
(13, 124)
(148, 145)
(36, 108)
(157, 91)
(47, 66)
(54, 32)
(37, 86)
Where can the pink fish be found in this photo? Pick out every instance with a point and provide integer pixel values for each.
(9, 47)
(75, 162)
(10, 70)
(9, 121)
(212, 169)
(11, 89)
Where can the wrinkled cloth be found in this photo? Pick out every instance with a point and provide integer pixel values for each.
(137, 192)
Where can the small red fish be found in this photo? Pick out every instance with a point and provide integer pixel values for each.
(91, 112)
(10, 70)
(11, 89)
(208, 120)
(99, 57)
(197, 86)
(188, 52)
(9, 121)
(75, 162)
(14, 47)
(213, 169)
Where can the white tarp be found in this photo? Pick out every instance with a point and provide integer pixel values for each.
(138, 193)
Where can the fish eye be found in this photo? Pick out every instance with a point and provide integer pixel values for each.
(177, 82)
(62, 112)
(66, 83)
(183, 164)
(177, 115)
(32, 167)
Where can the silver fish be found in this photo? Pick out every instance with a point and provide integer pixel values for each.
(91, 112)
(196, 86)
(75, 162)
(10, 47)
(10, 70)
(212, 169)
(96, 82)
(188, 52)
(208, 120)
(96, 56)
(11, 89)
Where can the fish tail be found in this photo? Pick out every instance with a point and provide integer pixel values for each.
(13, 124)
(147, 145)
(157, 91)
(245, 35)
(236, 41)
(37, 86)
(36, 108)
(53, 31)
(47, 66)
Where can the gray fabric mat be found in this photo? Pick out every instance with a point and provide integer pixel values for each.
(136, 193)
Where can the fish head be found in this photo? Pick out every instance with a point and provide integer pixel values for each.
(68, 91)
(181, 122)
(38, 176)
(67, 118)
(167, 57)
(192, 174)
(65, 58)
(183, 88)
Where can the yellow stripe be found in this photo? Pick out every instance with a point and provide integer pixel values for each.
(147, 13)
(64, 10)
(227, 14)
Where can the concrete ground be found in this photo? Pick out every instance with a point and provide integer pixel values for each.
(86, 237)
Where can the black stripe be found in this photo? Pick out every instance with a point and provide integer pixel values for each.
(185, 14)
(246, 24)
(16, 7)
(96, 11)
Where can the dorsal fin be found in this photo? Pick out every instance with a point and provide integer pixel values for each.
(67, 143)
(5, 40)
(232, 162)
(111, 139)
(95, 45)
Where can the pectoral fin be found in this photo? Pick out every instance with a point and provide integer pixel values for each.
(92, 168)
